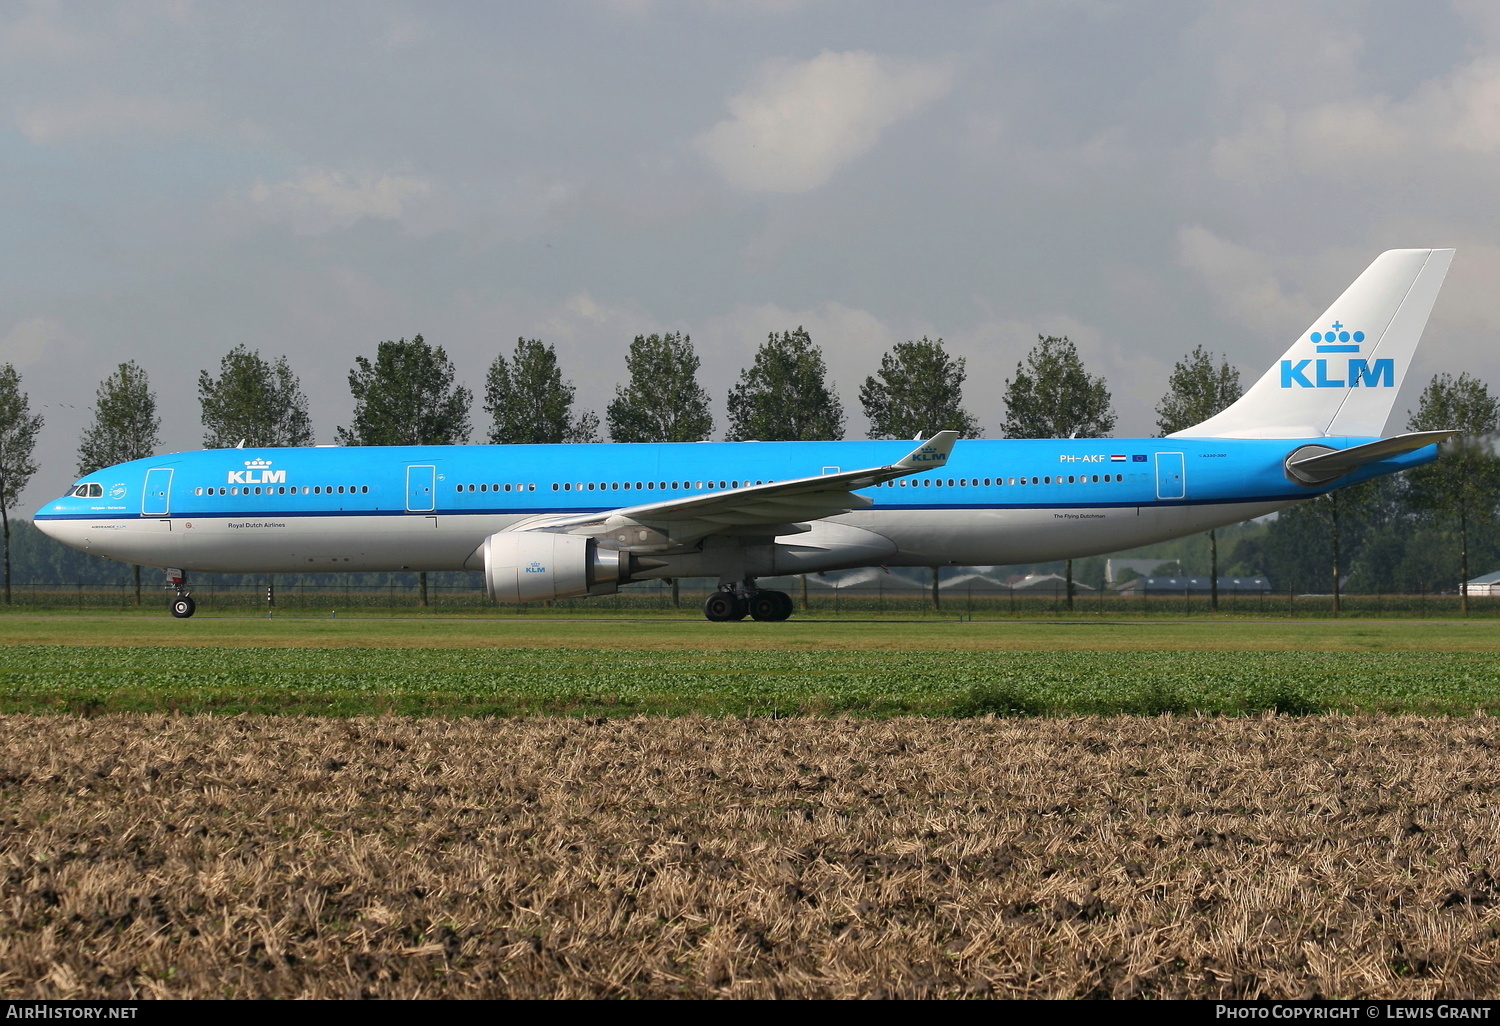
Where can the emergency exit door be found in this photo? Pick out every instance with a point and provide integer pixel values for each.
(421, 496)
(1169, 483)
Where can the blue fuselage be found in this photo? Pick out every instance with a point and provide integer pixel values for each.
(431, 507)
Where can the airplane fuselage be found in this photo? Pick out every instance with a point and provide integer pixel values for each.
(431, 507)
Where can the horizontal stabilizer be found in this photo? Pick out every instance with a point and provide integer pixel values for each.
(1325, 465)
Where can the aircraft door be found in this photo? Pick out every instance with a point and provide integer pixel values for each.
(156, 498)
(421, 489)
(1169, 481)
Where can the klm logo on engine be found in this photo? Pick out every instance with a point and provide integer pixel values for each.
(534, 568)
(1350, 372)
(257, 471)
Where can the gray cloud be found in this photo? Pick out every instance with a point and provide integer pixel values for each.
(803, 120)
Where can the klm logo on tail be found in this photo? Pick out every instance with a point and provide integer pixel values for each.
(1356, 371)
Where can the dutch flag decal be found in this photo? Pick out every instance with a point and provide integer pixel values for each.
(1118, 459)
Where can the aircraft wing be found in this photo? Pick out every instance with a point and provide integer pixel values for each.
(754, 509)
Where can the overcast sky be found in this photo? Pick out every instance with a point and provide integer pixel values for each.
(311, 178)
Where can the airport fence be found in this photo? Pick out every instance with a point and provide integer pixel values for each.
(896, 596)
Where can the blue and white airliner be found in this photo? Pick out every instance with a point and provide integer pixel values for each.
(556, 521)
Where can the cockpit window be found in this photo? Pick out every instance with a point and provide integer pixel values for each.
(88, 490)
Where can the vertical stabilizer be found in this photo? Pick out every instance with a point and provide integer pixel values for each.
(1342, 375)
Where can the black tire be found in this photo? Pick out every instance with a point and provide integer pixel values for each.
(183, 607)
(763, 606)
(722, 607)
(784, 605)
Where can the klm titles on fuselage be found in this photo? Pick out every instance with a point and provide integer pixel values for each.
(1357, 371)
(257, 472)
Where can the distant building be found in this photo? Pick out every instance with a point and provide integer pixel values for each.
(1487, 585)
(1115, 567)
(1194, 586)
(1045, 584)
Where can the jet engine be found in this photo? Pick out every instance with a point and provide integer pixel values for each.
(534, 566)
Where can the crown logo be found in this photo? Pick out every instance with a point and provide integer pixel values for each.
(1336, 339)
(257, 464)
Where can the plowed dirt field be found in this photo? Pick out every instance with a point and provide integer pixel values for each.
(1127, 857)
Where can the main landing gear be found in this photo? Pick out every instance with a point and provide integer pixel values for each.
(182, 605)
(724, 606)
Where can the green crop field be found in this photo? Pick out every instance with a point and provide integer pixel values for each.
(612, 667)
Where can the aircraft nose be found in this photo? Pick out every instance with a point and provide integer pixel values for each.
(56, 527)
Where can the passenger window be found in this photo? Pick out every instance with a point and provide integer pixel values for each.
(507, 488)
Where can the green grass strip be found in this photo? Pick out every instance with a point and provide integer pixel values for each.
(504, 682)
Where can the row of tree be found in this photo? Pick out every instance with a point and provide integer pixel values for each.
(409, 394)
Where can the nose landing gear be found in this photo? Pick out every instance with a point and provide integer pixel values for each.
(771, 606)
(182, 605)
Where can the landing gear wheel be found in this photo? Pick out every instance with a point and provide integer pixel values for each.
(722, 607)
(183, 607)
(764, 605)
(785, 605)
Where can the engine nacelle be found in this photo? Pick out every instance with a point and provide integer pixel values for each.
(535, 566)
